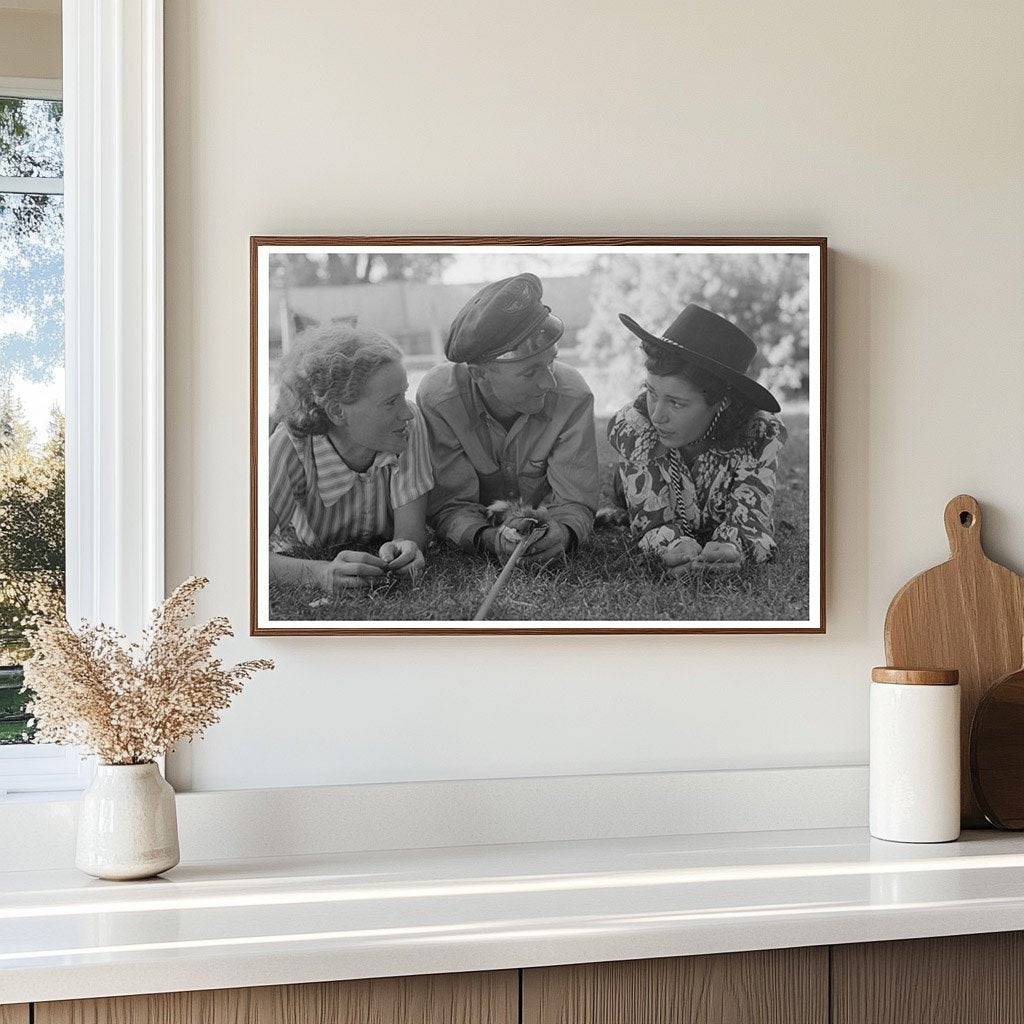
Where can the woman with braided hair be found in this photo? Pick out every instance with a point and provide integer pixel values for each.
(699, 449)
(349, 462)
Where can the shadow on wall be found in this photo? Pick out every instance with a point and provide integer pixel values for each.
(853, 287)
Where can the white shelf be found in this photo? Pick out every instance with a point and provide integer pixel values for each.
(352, 915)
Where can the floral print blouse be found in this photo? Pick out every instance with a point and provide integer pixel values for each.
(723, 496)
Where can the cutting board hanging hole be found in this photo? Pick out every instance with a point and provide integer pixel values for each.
(963, 526)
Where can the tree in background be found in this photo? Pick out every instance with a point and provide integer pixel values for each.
(32, 513)
(765, 294)
(31, 242)
(31, 349)
(32, 136)
(31, 536)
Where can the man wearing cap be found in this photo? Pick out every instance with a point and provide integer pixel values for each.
(507, 421)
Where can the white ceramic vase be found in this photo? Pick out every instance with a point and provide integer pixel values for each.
(127, 825)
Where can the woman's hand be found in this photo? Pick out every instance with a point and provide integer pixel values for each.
(719, 556)
(681, 553)
(402, 556)
(350, 569)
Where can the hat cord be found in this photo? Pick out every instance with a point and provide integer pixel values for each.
(675, 469)
(726, 401)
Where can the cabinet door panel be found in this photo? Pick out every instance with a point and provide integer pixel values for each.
(481, 998)
(777, 986)
(14, 1013)
(959, 979)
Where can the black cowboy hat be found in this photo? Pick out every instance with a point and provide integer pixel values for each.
(714, 344)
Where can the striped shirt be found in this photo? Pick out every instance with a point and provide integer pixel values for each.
(315, 492)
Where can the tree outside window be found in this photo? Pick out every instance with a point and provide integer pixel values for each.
(31, 386)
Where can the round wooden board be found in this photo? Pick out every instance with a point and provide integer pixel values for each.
(997, 752)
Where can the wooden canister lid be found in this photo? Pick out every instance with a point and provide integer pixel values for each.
(916, 676)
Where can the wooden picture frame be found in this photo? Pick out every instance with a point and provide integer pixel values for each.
(807, 377)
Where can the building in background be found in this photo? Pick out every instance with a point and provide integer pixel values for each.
(417, 314)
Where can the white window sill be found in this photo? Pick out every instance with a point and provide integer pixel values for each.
(44, 771)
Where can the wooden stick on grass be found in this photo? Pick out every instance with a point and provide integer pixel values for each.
(499, 583)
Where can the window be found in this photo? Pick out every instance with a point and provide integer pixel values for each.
(109, 207)
(31, 381)
(32, 488)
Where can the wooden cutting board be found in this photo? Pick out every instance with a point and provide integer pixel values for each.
(967, 614)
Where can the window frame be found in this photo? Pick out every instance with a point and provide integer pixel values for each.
(32, 88)
(112, 90)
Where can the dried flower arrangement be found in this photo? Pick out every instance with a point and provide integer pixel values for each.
(130, 703)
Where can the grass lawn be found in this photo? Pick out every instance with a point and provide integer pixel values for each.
(606, 579)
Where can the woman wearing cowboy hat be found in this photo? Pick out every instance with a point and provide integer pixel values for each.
(699, 449)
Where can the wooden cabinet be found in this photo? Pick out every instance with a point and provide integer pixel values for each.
(969, 979)
(491, 998)
(962, 979)
(776, 986)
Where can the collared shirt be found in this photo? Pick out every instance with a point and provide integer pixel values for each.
(723, 496)
(547, 458)
(315, 492)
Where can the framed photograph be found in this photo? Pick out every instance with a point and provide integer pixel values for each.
(537, 435)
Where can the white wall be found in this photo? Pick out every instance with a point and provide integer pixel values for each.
(30, 39)
(895, 129)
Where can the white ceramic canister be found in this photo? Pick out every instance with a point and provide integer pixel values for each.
(127, 825)
(915, 755)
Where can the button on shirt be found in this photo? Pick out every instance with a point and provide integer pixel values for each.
(315, 492)
(547, 458)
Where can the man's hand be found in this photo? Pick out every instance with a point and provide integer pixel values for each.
(350, 569)
(498, 542)
(402, 556)
(550, 545)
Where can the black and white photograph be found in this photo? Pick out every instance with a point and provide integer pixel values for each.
(537, 435)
